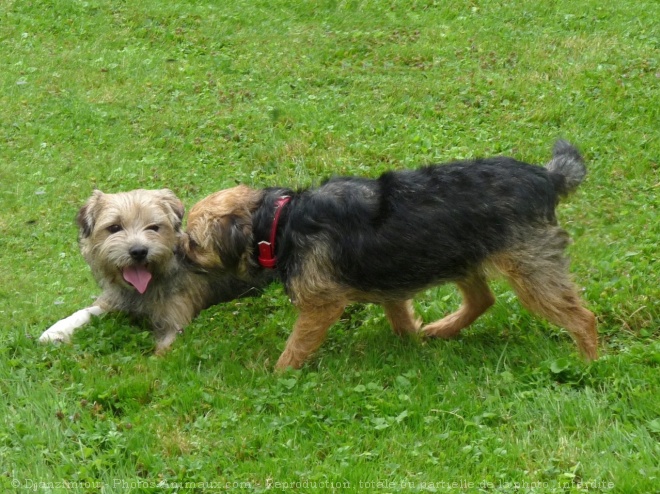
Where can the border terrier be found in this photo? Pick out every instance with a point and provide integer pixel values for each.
(383, 240)
(136, 249)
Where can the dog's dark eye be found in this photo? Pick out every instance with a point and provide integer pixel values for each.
(153, 228)
(114, 228)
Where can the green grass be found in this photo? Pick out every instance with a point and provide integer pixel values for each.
(197, 96)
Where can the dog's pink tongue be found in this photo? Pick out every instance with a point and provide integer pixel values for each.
(137, 276)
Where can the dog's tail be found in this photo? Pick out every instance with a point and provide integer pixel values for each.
(567, 166)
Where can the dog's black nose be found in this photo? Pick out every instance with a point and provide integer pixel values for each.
(138, 252)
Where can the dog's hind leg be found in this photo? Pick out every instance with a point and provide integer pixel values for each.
(401, 316)
(308, 333)
(538, 272)
(477, 298)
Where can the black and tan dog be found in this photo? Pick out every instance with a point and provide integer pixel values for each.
(384, 240)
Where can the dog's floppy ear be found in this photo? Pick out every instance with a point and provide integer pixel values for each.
(232, 237)
(86, 217)
(175, 208)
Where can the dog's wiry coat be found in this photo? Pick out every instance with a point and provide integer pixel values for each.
(136, 249)
(384, 240)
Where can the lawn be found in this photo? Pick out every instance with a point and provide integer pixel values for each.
(200, 95)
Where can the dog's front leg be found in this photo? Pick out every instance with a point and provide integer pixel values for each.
(308, 333)
(171, 319)
(165, 336)
(63, 329)
(402, 317)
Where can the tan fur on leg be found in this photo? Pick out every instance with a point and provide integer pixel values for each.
(543, 287)
(477, 298)
(402, 317)
(308, 333)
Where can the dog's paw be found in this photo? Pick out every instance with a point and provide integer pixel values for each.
(164, 342)
(62, 330)
(288, 361)
(440, 330)
(50, 336)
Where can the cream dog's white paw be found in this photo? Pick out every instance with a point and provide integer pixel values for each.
(63, 329)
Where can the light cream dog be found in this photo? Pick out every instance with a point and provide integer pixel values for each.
(136, 248)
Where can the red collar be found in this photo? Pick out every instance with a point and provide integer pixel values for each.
(267, 249)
